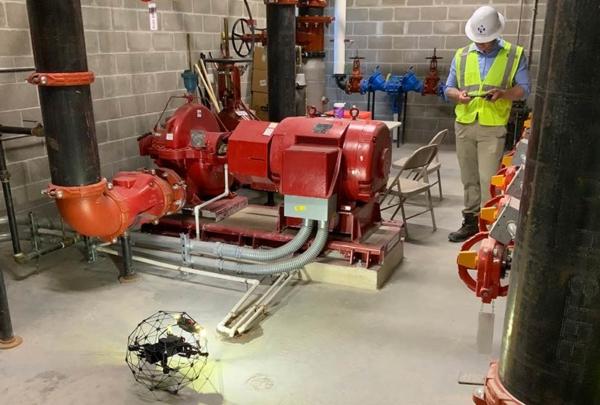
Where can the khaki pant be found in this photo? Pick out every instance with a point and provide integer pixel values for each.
(479, 149)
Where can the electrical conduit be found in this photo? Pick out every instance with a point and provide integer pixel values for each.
(284, 266)
(223, 250)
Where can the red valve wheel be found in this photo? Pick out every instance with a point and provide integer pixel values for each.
(463, 271)
(242, 37)
(490, 263)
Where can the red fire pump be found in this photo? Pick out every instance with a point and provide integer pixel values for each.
(193, 144)
(345, 162)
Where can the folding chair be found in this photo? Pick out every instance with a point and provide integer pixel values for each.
(435, 165)
(417, 182)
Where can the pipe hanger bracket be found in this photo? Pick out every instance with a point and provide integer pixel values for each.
(63, 79)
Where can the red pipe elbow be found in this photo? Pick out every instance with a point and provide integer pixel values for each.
(106, 210)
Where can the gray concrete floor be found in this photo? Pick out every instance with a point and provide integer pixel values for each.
(322, 344)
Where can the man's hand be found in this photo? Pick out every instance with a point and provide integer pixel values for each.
(463, 97)
(495, 94)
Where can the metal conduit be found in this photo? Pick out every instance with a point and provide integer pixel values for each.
(284, 266)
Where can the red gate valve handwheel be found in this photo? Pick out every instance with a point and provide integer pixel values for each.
(489, 264)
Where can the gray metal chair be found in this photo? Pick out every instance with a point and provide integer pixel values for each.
(435, 165)
(402, 187)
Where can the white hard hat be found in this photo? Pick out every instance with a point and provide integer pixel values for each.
(485, 25)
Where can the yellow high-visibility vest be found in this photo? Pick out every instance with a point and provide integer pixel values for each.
(500, 76)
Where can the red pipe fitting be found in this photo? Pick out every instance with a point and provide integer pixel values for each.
(494, 392)
(106, 210)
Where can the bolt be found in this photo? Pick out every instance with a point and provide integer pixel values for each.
(109, 186)
(59, 194)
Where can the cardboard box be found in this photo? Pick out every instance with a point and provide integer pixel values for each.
(260, 104)
(259, 81)
(259, 61)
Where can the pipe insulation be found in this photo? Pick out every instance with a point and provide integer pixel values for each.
(339, 39)
(314, 71)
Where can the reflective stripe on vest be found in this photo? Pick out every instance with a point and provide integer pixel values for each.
(500, 76)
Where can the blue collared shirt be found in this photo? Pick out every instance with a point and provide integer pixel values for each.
(485, 64)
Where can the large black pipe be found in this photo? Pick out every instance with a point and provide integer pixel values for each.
(7, 337)
(59, 46)
(551, 345)
(281, 59)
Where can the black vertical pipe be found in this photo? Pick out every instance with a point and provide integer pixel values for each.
(127, 271)
(551, 345)
(59, 46)
(281, 60)
(6, 330)
(8, 202)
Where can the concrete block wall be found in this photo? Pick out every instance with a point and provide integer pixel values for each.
(398, 34)
(136, 72)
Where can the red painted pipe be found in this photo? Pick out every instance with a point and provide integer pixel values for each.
(106, 210)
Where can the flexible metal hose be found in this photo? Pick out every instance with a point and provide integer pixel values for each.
(272, 268)
(224, 250)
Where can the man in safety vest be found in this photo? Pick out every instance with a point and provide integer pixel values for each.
(485, 78)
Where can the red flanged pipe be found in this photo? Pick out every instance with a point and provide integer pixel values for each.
(106, 210)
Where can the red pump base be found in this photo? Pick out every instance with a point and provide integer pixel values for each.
(494, 392)
(367, 254)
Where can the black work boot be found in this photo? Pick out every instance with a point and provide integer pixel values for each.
(469, 228)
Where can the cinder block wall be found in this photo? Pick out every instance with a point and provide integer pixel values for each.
(398, 34)
(136, 72)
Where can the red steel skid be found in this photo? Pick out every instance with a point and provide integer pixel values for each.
(494, 392)
(106, 210)
(353, 252)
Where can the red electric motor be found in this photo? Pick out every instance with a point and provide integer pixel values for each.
(317, 158)
(193, 144)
